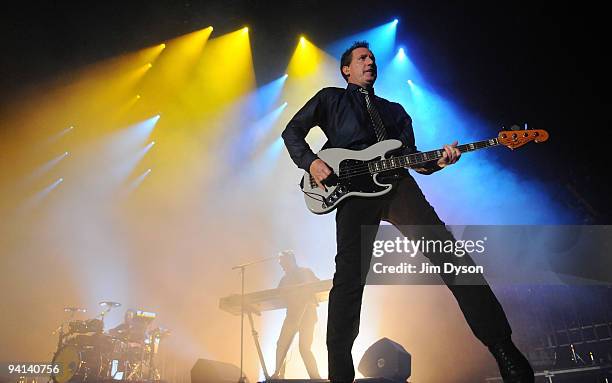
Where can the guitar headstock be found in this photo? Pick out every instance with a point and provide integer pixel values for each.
(516, 138)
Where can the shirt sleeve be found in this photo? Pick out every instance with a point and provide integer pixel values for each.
(295, 133)
(404, 124)
(310, 276)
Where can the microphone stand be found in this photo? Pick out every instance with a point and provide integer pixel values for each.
(242, 268)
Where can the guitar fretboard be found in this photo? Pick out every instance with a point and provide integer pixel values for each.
(410, 160)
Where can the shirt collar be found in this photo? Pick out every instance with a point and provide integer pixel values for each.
(354, 88)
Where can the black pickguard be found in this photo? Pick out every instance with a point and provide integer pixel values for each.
(363, 183)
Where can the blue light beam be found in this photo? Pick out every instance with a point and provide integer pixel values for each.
(381, 39)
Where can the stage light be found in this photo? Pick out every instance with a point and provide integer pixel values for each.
(45, 168)
(306, 59)
(37, 198)
(285, 75)
(258, 102)
(231, 76)
(401, 54)
(410, 82)
(136, 74)
(131, 145)
(173, 68)
(395, 21)
(134, 135)
(256, 135)
(138, 96)
(149, 54)
(137, 181)
(381, 39)
(59, 135)
(146, 148)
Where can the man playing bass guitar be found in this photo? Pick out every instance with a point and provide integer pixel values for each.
(355, 118)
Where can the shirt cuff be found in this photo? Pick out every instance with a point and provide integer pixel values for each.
(430, 167)
(307, 159)
(433, 166)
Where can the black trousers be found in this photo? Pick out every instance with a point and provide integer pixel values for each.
(405, 205)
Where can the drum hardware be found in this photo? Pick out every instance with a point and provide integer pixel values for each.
(154, 340)
(108, 306)
(61, 329)
(145, 315)
(73, 310)
(86, 326)
(82, 347)
(79, 363)
(134, 355)
(86, 353)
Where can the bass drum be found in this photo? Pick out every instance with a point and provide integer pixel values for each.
(77, 364)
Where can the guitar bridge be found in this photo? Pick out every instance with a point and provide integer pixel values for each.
(336, 194)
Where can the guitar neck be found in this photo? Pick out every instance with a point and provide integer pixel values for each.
(411, 160)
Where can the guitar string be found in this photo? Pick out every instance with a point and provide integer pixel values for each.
(353, 170)
(463, 148)
(363, 168)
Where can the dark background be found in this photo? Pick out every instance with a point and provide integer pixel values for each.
(507, 62)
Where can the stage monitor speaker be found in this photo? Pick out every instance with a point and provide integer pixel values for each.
(386, 359)
(212, 371)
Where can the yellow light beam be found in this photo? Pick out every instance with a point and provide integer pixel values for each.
(305, 60)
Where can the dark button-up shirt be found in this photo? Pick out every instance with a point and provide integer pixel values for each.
(343, 117)
(302, 297)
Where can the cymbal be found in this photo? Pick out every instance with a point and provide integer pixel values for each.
(110, 303)
(75, 309)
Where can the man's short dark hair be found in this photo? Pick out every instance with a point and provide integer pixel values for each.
(347, 56)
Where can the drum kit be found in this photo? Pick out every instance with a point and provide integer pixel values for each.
(85, 353)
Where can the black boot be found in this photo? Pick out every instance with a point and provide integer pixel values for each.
(513, 365)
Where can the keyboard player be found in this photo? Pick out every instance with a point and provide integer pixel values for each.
(301, 316)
